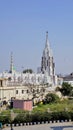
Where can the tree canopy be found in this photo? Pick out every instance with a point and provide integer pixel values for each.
(50, 98)
(28, 71)
(66, 89)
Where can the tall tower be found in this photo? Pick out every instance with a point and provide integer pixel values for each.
(47, 62)
(11, 64)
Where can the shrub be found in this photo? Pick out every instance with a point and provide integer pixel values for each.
(5, 119)
(64, 115)
(71, 115)
(57, 89)
(47, 116)
(66, 89)
(50, 98)
(23, 117)
(40, 116)
(36, 116)
(60, 116)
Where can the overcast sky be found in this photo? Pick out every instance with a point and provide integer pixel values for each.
(23, 26)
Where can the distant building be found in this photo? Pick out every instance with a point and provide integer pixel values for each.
(68, 78)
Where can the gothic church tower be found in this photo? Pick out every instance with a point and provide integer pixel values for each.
(47, 62)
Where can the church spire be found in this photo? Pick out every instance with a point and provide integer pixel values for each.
(47, 41)
(47, 45)
(47, 63)
(46, 36)
(11, 63)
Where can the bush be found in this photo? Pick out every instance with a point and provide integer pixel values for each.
(61, 115)
(51, 98)
(71, 115)
(40, 116)
(66, 89)
(64, 115)
(5, 119)
(47, 116)
(57, 89)
(23, 117)
(34, 117)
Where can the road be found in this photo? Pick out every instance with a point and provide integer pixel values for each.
(52, 126)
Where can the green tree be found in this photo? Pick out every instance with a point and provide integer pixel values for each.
(66, 89)
(50, 98)
(28, 71)
(57, 89)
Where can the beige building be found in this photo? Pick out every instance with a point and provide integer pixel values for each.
(17, 91)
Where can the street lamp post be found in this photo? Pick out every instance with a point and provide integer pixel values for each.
(11, 126)
(12, 118)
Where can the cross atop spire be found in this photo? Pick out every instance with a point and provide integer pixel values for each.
(46, 35)
(47, 41)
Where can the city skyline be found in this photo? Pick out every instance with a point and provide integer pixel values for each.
(23, 27)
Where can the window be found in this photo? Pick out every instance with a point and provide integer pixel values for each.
(27, 91)
(43, 90)
(22, 91)
(1, 83)
(16, 91)
(37, 90)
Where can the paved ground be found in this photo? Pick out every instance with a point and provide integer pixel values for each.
(52, 126)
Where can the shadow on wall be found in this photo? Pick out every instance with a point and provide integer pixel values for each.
(62, 128)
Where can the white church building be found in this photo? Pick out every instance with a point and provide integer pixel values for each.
(22, 85)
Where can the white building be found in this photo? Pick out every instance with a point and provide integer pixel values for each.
(46, 75)
(21, 85)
